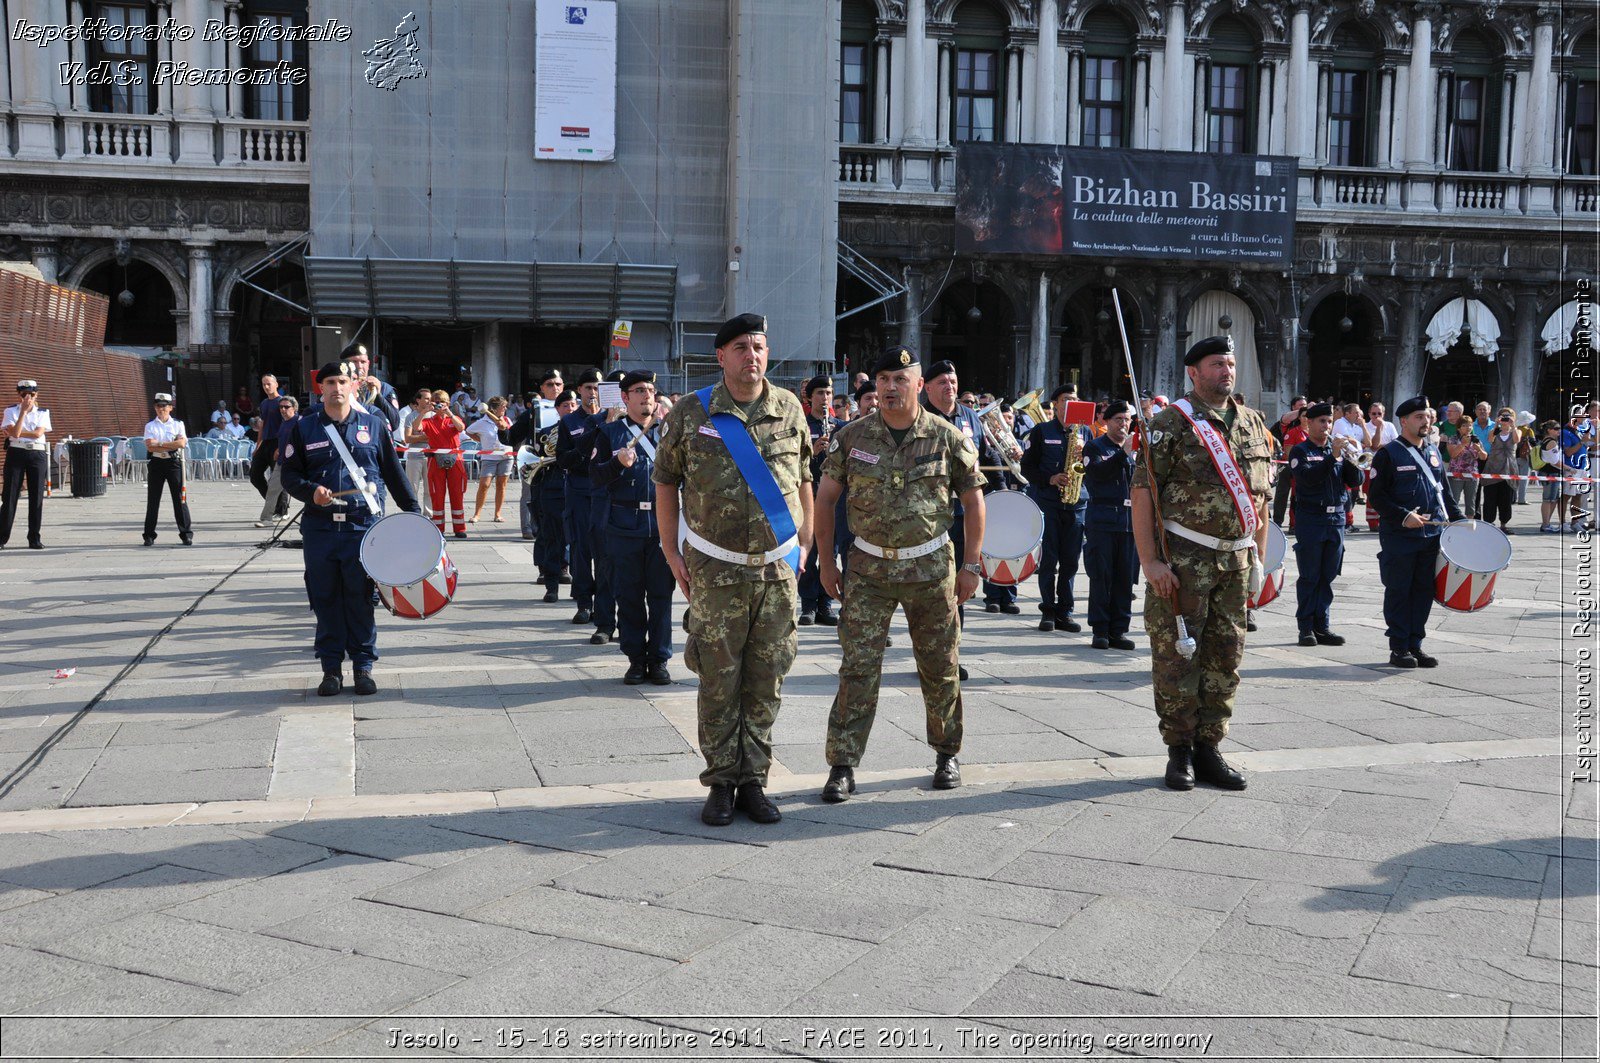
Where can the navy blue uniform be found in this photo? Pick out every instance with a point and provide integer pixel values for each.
(1045, 456)
(813, 598)
(335, 581)
(1407, 556)
(1109, 554)
(1321, 483)
(965, 418)
(641, 579)
(550, 505)
(574, 450)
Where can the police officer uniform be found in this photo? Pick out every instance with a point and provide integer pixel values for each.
(815, 605)
(574, 448)
(899, 492)
(641, 580)
(1212, 555)
(166, 470)
(965, 420)
(1322, 479)
(550, 503)
(605, 598)
(1405, 479)
(526, 429)
(335, 580)
(27, 461)
(1109, 555)
(1045, 456)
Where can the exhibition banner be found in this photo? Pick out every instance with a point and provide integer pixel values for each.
(1039, 199)
(575, 80)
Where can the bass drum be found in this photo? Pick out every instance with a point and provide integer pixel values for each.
(1472, 554)
(1277, 550)
(1013, 537)
(405, 556)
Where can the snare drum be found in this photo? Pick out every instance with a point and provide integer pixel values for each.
(1471, 554)
(1272, 561)
(405, 556)
(1013, 537)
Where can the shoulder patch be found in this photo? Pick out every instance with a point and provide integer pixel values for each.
(833, 444)
(1156, 436)
(1294, 463)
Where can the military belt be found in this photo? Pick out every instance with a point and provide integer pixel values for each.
(1230, 546)
(903, 553)
(711, 549)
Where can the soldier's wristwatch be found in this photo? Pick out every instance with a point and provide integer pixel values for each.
(974, 568)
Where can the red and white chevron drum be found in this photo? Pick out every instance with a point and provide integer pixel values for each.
(1471, 554)
(1013, 537)
(1277, 550)
(405, 556)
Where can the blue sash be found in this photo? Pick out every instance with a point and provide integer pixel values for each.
(736, 437)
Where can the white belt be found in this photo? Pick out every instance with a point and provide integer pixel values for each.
(1227, 545)
(711, 549)
(905, 553)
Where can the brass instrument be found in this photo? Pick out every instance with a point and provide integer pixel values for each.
(1028, 406)
(531, 464)
(1001, 438)
(1073, 488)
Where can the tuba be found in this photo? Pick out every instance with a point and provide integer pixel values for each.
(531, 464)
(1000, 437)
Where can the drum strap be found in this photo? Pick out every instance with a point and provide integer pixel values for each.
(368, 491)
(1427, 474)
(1228, 469)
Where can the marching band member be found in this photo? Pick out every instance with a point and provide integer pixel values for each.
(900, 469)
(440, 431)
(371, 393)
(1044, 463)
(1002, 597)
(573, 450)
(1324, 474)
(737, 452)
(815, 605)
(624, 459)
(526, 429)
(1209, 458)
(165, 439)
(1413, 503)
(941, 387)
(320, 451)
(1108, 551)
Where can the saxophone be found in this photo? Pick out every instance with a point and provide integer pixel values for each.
(1073, 488)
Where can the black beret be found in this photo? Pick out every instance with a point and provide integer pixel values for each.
(867, 387)
(638, 376)
(616, 376)
(566, 396)
(351, 349)
(742, 325)
(1321, 409)
(1115, 408)
(817, 383)
(1211, 345)
(339, 368)
(1413, 405)
(588, 376)
(893, 359)
(1064, 389)
(938, 369)
(549, 375)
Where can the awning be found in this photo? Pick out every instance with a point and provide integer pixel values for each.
(1560, 326)
(1464, 315)
(451, 290)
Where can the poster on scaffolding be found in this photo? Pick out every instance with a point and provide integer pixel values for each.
(575, 80)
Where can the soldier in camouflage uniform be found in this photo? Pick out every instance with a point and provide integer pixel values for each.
(1211, 567)
(900, 466)
(740, 634)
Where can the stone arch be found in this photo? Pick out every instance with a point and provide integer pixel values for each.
(1572, 30)
(1312, 298)
(1144, 25)
(1018, 16)
(1392, 32)
(1503, 314)
(1138, 294)
(1496, 30)
(101, 255)
(1267, 27)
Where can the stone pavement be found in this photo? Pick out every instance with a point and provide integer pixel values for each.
(507, 831)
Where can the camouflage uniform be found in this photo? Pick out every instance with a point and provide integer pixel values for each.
(899, 496)
(740, 634)
(1194, 698)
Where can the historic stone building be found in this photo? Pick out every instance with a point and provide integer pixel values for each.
(1447, 194)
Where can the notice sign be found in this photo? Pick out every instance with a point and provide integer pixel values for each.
(575, 80)
(1036, 199)
(621, 333)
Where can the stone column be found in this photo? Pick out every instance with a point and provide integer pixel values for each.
(1175, 119)
(76, 54)
(1541, 92)
(1409, 366)
(1168, 379)
(1011, 108)
(1526, 357)
(200, 324)
(880, 90)
(1419, 100)
(44, 255)
(196, 144)
(914, 87)
(164, 54)
(1265, 107)
(911, 312)
(1039, 335)
(1298, 136)
(1441, 123)
(944, 71)
(1044, 75)
(1074, 103)
(1385, 116)
(235, 61)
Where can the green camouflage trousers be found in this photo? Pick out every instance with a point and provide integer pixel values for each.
(935, 640)
(1194, 698)
(740, 639)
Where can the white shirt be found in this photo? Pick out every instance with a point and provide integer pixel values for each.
(159, 431)
(36, 418)
(486, 432)
(1389, 434)
(1351, 429)
(221, 418)
(237, 431)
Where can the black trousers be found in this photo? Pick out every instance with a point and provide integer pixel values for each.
(167, 472)
(1496, 500)
(32, 466)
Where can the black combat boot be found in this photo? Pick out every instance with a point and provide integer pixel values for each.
(636, 673)
(1210, 768)
(841, 784)
(1180, 767)
(364, 682)
(753, 801)
(1327, 638)
(331, 684)
(946, 772)
(718, 811)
